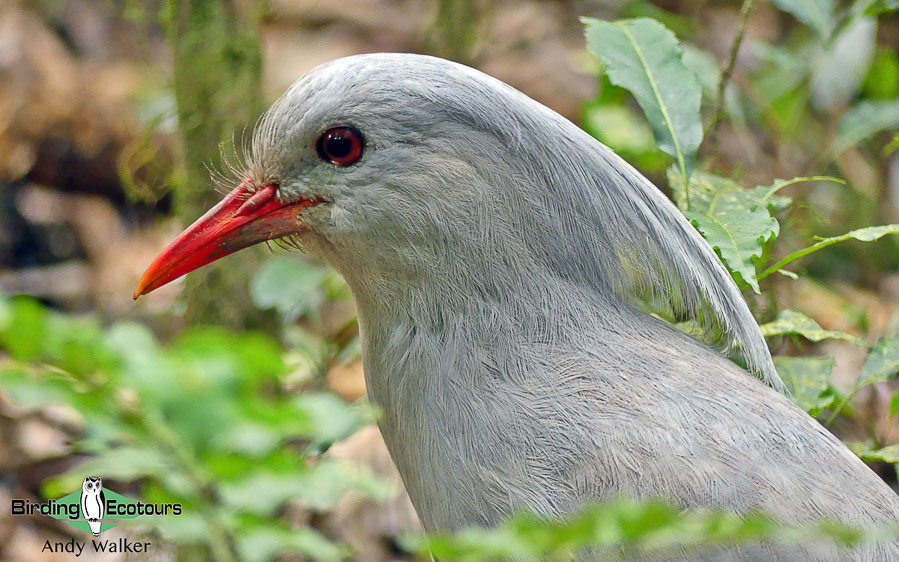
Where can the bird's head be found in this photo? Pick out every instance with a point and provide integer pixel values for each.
(370, 162)
(399, 168)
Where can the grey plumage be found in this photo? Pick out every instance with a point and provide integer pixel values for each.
(492, 247)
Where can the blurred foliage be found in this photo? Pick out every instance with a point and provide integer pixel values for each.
(828, 68)
(232, 425)
(454, 33)
(624, 529)
(743, 225)
(207, 421)
(217, 62)
(643, 57)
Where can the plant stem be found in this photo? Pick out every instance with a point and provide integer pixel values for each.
(728, 72)
(777, 188)
(795, 256)
(220, 541)
(217, 72)
(454, 31)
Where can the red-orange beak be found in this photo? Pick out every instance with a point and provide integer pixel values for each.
(241, 219)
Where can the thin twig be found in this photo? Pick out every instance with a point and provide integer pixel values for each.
(728, 73)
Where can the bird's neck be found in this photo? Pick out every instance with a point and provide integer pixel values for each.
(438, 364)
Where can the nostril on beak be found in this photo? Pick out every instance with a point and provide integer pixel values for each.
(257, 200)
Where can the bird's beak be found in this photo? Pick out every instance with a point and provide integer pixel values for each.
(243, 218)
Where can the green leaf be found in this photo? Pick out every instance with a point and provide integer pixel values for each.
(792, 322)
(892, 146)
(619, 128)
(887, 454)
(735, 221)
(185, 528)
(868, 234)
(330, 417)
(864, 121)
(874, 8)
(32, 390)
(622, 528)
(26, 328)
(319, 487)
(817, 14)
(268, 541)
(642, 56)
(143, 363)
(840, 68)
(6, 313)
(779, 203)
(807, 379)
(248, 438)
(881, 363)
(882, 81)
(288, 285)
(783, 70)
(894, 405)
(123, 463)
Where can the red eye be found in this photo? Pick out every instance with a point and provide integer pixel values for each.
(341, 145)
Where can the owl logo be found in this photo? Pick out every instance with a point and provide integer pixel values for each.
(93, 503)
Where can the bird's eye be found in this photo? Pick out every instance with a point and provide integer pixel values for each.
(340, 145)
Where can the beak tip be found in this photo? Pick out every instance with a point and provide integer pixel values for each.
(142, 288)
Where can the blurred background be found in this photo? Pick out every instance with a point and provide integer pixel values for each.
(239, 391)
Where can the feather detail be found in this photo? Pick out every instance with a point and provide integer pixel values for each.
(661, 252)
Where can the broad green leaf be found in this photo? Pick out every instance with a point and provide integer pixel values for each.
(642, 56)
(807, 379)
(319, 487)
(735, 221)
(792, 322)
(287, 285)
(248, 438)
(817, 14)
(143, 362)
(865, 120)
(840, 68)
(35, 389)
(868, 234)
(782, 71)
(330, 416)
(270, 541)
(881, 363)
(185, 528)
(124, 463)
(681, 24)
(886, 454)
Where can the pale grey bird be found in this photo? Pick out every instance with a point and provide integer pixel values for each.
(492, 248)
